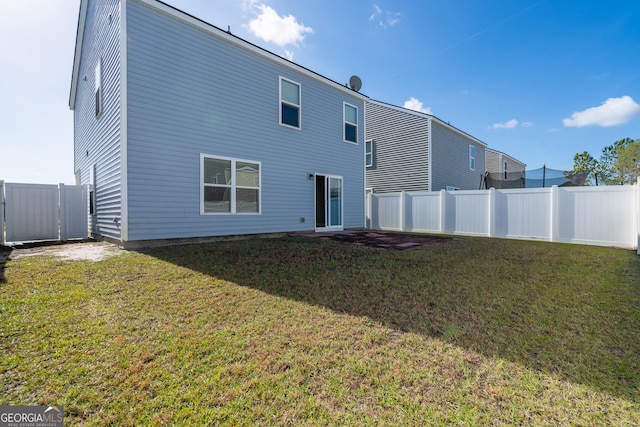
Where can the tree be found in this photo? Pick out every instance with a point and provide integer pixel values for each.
(584, 166)
(610, 170)
(629, 162)
(618, 164)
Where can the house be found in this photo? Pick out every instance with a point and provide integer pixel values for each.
(407, 150)
(186, 131)
(504, 171)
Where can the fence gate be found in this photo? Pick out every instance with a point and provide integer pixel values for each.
(43, 212)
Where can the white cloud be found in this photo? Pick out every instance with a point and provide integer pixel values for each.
(376, 13)
(281, 30)
(526, 124)
(384, 18)
(511, 124)
(416, 105)
(612, 112)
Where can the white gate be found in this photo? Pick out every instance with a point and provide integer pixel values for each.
(43, 212)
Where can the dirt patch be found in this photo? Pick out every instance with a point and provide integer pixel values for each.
(381, 239)
(86, 251)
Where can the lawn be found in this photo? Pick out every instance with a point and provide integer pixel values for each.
(298, 331)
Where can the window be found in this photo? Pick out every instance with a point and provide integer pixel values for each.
(472, 157)
(229, 186)
(289, 103)
(368, 153)
(505, 171)
(350, 123)
(452, 188)
(98, 88)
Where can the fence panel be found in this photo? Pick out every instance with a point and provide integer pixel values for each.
(423, 212)
(471, 212)
(524, 214)
(387, 211)
(31, 212)
(73, 212)
(597, 215)
(605, 216)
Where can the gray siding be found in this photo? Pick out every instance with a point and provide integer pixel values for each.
(190, 92)
(495, 162)
(401, 150)
(97, 140)
(450, 159)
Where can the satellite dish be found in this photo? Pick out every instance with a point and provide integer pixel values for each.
(355, 83)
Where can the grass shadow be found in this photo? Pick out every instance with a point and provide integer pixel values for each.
(5, 252)
(567, 310)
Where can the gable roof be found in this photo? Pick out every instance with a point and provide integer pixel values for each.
(208, 28)
(427, 116)
(506, 155)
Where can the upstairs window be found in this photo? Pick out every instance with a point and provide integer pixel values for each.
(472, 157)
(229, 186)
(368, 153)
(289, 103)
(505, 171)
(98, 88)
(350, 123)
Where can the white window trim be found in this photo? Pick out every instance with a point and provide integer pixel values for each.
(472, 157)
(232, 186)
(370, 143)
(344, 122)
(281, 101)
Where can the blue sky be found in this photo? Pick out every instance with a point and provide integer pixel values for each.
(538, 79)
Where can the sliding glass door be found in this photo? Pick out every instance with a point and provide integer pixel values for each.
(328, 198)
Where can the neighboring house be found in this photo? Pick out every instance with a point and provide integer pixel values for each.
(406, 150)
(184, 131)
(504, 171)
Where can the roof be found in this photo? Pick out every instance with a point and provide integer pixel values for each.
(210, 29)
(427, 116)
(506, 155)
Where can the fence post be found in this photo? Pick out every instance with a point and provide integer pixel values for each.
(443, 210)
(491, 212)
(62, 212)
(402, 209)
(1, 212)
(553, 214)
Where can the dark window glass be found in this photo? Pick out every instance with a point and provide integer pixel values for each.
(350, 132)
(290, 115)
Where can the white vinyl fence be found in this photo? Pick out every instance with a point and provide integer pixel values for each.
(34, 212)
(605, 216)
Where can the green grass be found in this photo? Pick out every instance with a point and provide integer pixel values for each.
(310, 332)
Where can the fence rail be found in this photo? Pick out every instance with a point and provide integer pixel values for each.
(605, 216)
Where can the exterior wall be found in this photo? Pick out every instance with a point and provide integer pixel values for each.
(450, 159)
(190, 92)
(400, 150)
(97, 139)
(495, 162)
